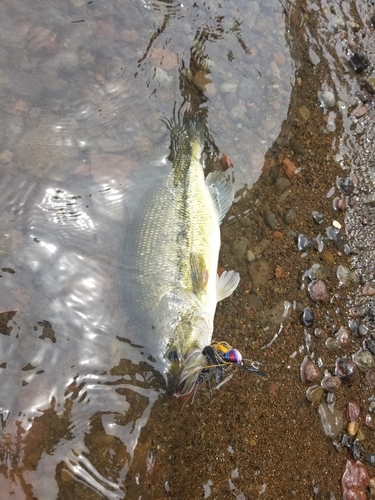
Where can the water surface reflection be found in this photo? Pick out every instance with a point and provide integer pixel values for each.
(83, 87)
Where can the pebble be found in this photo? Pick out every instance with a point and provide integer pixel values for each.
(353, 428)
(304, 112)
(309, 371)
(331, 383)
(313, 273)
(289, 168)
(307, 317)
(353, 325)
(345, 185)
(363, 330)
(332, 344)
(270, 220)
(370, 421)
(354, 481)
(318, 217)
(370, 377)
(360, 111)
(226, 161)
(339, 239)
(342, 274)
(297, 147)
(359, 61)
(364, 360)
(250, 256)
(278, 272)
(332, 421)
(339, 204)
(352, 412)
(303, 243)
(338, 23)
(353, 26)
(282, 184)
(342, 336)
(228, 87)
(314, 393)
(290, 216)
(318, 291)
(327, 99)
(347, 370)
(318, 333)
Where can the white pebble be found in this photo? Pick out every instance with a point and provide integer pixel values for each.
(327, 99)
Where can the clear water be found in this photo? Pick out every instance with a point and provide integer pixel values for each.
(83, 88)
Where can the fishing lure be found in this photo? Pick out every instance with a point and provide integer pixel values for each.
(221, 357)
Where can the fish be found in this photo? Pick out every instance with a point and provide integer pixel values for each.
(177, 254)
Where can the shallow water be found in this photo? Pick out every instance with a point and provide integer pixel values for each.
(83, 89)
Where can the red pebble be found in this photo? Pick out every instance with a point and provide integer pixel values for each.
(370, 377)
(354, 481)
(289, 168)
(353, 412)
(309, 371)
(226, 161)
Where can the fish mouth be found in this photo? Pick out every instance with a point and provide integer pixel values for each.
(195, 363)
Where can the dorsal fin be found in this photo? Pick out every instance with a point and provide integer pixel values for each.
(221, 189)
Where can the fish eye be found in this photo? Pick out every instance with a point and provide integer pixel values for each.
(173, 356)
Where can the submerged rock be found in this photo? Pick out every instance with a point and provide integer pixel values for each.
(270, 220)
(347, 370)
(318, 217)
(309, 371)
(307, 317)
(332, 420)
(290, 216)
(314, 393)
(318, 291)
(364, 360)
(345, 185)
(353, 412)
(370, 377)
(331, 383)
(304, 243)
(327, 99)
(354, 480)
(359, 61)
(342, 336)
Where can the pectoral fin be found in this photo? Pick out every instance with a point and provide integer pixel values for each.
(199, 273)
(226, 284)
(221, 189)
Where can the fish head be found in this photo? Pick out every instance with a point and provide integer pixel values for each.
(192, 334)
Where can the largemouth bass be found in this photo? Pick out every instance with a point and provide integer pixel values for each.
(177, 254)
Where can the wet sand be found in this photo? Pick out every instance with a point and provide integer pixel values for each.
(260, 437)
